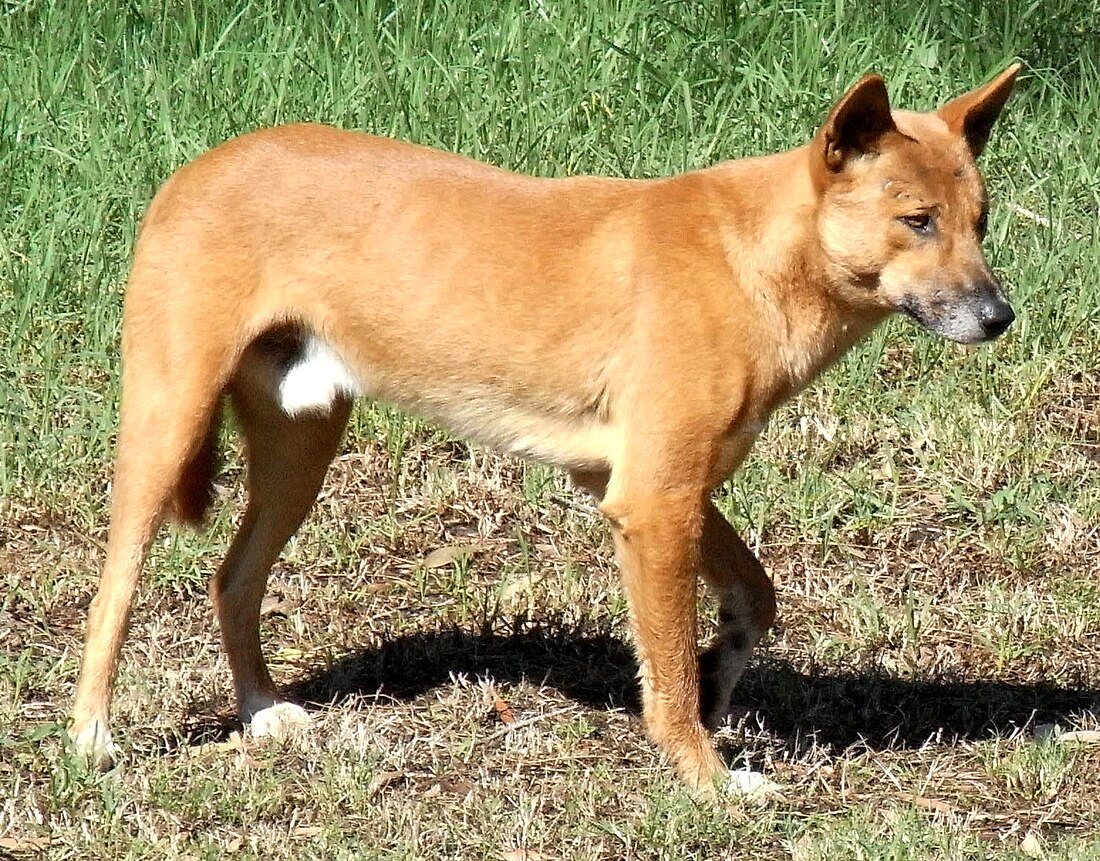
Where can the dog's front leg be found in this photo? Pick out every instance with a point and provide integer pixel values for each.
(657, 539)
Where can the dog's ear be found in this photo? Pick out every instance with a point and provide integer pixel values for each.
(854, 126)
(972, 115)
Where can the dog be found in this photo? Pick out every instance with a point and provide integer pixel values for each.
(635, 333)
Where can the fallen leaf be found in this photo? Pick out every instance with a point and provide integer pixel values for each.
(272, 605)
(234, 742)
(25, 844)
(933, 804)
(454, 786)
(503, 710)
(522, 855)
(802, 848)
(1053, 732)
(381, 780)
(1086, 736)
(522, 586)
(375, 588)
(442, 556)
(1032, 845)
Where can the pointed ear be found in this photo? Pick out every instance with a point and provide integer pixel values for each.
(972, 115)
(855, 124)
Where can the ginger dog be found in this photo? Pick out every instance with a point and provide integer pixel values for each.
(635, 333)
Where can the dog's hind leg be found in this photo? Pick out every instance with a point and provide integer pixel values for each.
(287, 460)
(746, 609)
(165, 457)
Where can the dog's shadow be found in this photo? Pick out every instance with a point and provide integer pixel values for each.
(871, 709)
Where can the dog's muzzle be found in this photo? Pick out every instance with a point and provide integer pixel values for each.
(978, 313)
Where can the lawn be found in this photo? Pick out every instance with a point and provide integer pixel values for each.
(930, 513)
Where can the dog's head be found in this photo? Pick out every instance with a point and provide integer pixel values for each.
(902, 208)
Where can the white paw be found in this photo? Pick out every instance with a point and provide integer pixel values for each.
(748, 783)
(94, 741)
(278, 721)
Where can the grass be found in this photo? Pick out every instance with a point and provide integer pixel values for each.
(929, 513)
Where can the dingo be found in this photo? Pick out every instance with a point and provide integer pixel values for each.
(635, 333)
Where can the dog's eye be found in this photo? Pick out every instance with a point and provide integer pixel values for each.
(921, 223)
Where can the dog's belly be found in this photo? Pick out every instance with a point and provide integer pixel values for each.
(569, 442)
(580, 440)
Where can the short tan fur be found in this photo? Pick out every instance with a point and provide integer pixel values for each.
(635, 333)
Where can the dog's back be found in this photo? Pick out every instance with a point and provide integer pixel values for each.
(635, 333)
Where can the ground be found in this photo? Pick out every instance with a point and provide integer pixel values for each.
(453, 619)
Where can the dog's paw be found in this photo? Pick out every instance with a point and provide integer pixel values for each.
(94, 742)
(744, 783)
(278, 721)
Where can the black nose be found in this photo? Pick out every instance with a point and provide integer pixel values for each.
(995, 314)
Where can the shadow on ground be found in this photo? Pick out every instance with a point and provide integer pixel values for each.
(873, 709)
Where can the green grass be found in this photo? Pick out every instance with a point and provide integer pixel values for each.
(930, 513)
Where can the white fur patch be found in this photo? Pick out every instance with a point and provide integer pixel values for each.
(746, 783)
(962, 327)
(278, 721)
(94, 741)
(317, 377)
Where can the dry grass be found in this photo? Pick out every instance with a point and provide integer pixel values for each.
(430, 592)
(929, 514)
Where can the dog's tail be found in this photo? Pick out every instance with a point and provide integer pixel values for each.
(194, 491)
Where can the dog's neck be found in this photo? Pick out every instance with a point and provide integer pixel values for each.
(774, 250)
(824, 327)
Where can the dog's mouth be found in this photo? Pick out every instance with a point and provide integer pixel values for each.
(974, 318)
